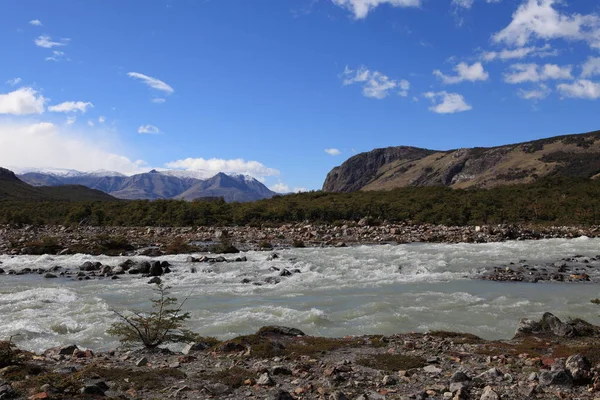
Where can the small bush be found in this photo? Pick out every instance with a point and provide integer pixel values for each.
(164, 324)
(8, 355)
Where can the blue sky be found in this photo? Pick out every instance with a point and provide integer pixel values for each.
(285, 90)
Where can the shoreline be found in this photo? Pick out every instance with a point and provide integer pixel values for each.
(548, 359)
(156, 241)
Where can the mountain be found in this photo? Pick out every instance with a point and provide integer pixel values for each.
(12, 188)
(157, 185)
(393, 167)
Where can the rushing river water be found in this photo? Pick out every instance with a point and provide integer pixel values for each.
(340, 291)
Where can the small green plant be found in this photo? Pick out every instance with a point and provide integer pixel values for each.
(8, 355)
(164, 324)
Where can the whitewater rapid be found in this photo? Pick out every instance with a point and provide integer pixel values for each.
(340, 291)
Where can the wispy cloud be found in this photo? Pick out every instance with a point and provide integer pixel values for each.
(360, 8)
(36, 22)
(101, 119)
(539, 93)
(582, 89)
(57, 56)
(23, 101)
(519, 53)
(519, 73)
(158, 100)
(464, 72)
(152, 82)
(149, 129)
(71, 106)
(13, 81)
(71, 120)
(591, 67)
(46, 42)
(214, 165)
(375, 84)
(447, 103)
(333, 152)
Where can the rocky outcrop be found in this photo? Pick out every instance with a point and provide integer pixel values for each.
(393, 167)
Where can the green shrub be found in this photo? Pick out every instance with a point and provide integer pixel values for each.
(164, 324)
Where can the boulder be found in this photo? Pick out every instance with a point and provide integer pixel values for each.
(50, 276)
(579, 367)
(155, 268)
(265, 380)
(276, 330)
(489, 394)
(156, 280)
(127, 264)
(195, 346)
(90, 266)
(552, 325)
(559, 377)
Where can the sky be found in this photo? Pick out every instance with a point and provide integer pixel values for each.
(285, 90)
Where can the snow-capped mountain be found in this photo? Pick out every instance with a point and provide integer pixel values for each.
(172, 184)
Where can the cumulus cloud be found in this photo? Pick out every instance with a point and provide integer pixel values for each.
(333, 152)
(519, 73)
(539, 19)
(43, 145)
(46, 42)
(149, 129)
(520, 52)
(591, 67)
(464, 72)
(447, 103)
(36, 22)
(13, 81)
(215, 165)
(375, 84)
(22, 101)
(280, 188)
(71, 106)
(152, 82)
(582, 89)
(360, 8)
(539, 93)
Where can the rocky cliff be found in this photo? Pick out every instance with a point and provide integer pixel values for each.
(393, 167)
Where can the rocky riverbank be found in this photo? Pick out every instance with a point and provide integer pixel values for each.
(157, 241)
(547, 359)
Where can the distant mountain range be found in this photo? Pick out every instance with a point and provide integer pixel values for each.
(394, 167)
(155, 184)
(12, 188)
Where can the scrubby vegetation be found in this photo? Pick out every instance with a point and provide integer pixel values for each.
(164, 324)
(556, 200)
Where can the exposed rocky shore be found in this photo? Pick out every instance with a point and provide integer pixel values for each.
(157, 240)
(547, 359)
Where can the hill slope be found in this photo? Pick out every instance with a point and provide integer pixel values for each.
(393, 167)
(12, 188)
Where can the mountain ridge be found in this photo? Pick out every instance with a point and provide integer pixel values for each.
(154, 185)
(393, 167)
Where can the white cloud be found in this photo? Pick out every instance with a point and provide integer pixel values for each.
(158, 100)
(57, 56)
(90, 123)
(71, 106)
(447, 103)
(520, 52)
(149, 129)
(43, 145)
(333, 152)
(464, 72)
(591, 67)
(46, 42)
(300, 189)
(36, 22)
(13, 81)
(214, 165)
(375, 84)
(583, 89)
(152, 82)
(101, 119)
(469, 3)
(541, 92)
(519, 73)
(360, 8)
(71, 120)
(538, 19)
(22, 102)
(280, 188)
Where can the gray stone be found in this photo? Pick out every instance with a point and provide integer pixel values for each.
(50, 276)
(196, 346)
(459, 376)
(283, 395)
(265, 380)
(155, 269)
(560, 377)
(532, 377)
(337, 395)
(67, 350)
(93, 390)
(389, 380)
(456, 386)
(489, 394)
(155, 280)
(432, 369)
(579, 367)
